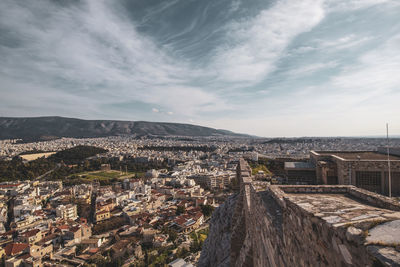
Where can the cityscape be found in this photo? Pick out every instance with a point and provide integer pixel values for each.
(200, 133)
(148, 201)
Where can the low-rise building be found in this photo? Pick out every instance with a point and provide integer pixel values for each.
(300, 173)
(364, 169)
(31, 236)
(13, 249)
(39, 251)
(103, 215)
(67, 212)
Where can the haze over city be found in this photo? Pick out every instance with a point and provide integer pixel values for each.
(267, 68)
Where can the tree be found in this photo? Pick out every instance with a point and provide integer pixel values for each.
(180, 210)
(207, 210)
(77, 154)
(79, 249)
(182, 253)
(172, 235)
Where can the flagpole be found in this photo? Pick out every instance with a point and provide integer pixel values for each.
(388, 158)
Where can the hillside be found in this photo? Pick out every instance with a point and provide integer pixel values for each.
(44, 128)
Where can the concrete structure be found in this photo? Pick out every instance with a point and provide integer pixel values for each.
(364, 169)
(300, 173)
(212, 180)
(67, 212)
(180, 263)
(392, 150)
(321, 225)
(102, 216)
(152, 173)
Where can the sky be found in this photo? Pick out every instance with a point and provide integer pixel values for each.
(261, 67)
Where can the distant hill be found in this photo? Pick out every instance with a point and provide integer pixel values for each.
(46, 128)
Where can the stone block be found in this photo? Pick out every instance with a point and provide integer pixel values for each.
(355, 235)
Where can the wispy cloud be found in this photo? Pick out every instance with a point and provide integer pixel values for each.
(91, 51)
(349, 5)
(258, 43)
(344, 42)
(376, 71)
(312, 68)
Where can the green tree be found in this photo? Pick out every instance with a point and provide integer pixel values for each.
(180, 210)
(172, 235)
(207, 210)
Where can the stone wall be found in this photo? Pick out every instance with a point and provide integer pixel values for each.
(270, 229)
(347, 169)
(216, 248)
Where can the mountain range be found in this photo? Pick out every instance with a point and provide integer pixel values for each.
(47, 128)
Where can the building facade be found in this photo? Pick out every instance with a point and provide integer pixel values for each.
(67, 212)
(364, 169)
(300, 173)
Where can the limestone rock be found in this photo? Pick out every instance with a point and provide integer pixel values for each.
(355, 235)
(216, 248)
(385, 234)
(387, 256)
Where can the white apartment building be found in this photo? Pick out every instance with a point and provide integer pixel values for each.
(67, 212)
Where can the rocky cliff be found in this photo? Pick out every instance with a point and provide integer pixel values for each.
(216, 249)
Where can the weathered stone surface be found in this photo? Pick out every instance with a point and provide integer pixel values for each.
(385, 234)
(304, 226)
(345, 253)
(354, 235)
(387, 256)
(216, 248)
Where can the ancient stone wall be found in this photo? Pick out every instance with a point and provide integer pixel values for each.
(270, 229)
(216, 249)
(347, 169)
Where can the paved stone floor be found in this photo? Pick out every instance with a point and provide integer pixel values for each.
(379, 229)
(339, 209)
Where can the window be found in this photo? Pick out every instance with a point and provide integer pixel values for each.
(369, 180)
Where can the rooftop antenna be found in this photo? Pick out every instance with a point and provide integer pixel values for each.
(388, 159)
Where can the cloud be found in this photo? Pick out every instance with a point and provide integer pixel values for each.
(371, 83)
(312, 68)
(344, 42)
(92, 50)
(377, 70)
(357, 99)
(332, 45)
(364, 93)
(155, 110)
(260, 66)
(235, 5)
(350, 5)
(259, 43)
